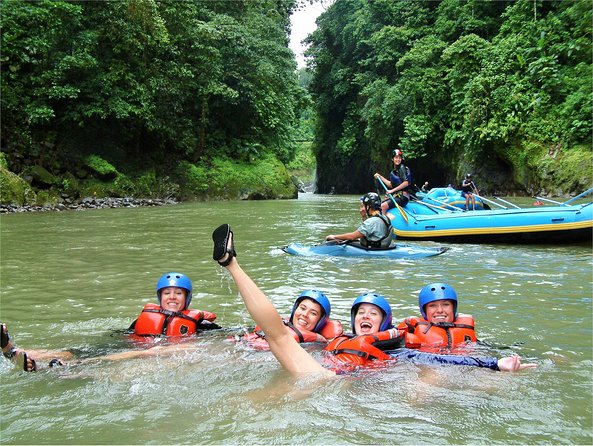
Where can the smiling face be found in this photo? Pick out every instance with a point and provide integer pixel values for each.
(307, 314)
(397, 160)
(173, 298)
(440, 311)
(368, 319)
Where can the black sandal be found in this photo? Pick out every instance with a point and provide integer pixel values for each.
(221, 236)
(4, 340)
(22, 361)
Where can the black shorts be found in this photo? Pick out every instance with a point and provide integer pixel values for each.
(400, 199)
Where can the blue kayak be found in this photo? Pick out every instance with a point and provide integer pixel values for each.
(400, 251)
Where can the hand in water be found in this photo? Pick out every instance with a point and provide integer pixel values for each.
(513, 364)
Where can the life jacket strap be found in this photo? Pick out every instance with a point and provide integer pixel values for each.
(296, 330)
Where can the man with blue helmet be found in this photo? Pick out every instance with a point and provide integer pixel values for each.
(375, 229)
(366, 346)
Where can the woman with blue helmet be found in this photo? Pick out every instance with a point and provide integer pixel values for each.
(308, 322)
(172, 316)
(440, 324)
(291, 355)
(369, 309)
(311, 310)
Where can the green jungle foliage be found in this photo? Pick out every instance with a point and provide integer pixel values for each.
(201, 99)
(501, 89)
(123, 91)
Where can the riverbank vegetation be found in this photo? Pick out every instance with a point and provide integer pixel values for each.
(201, 99)
(196, 99)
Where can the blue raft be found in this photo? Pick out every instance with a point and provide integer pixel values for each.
(562, 223)
(400, 251)
(448, 198)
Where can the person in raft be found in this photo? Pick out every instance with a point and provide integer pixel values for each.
(469, 190)
(375, 230)
(399, 183)
(308, 322)
(171, 317)
(371, 324)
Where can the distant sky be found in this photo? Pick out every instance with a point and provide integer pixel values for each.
(303, 24)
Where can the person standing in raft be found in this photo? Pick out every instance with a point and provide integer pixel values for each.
(468, 189)
(308, 322)
(170, 318)
(370, 317)
(399, 183)
(375, 230)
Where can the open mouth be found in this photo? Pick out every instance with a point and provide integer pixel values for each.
(302, 323)
(366, 326)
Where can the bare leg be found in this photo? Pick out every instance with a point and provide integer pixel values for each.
(287, 351)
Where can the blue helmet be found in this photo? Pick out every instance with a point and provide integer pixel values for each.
(321, 299)
(436, 291)
(377, 300)
(177, 280)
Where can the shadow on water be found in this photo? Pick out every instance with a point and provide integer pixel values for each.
(74, 280)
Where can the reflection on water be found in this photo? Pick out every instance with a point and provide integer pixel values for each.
(76, 279)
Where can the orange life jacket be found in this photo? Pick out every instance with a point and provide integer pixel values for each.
(330, 330)
(421, 333)
(153, 321)
(361, 349)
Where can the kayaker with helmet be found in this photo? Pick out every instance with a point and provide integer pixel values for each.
(371, 324)
(309, 321)
(399, 183)
(171, 317)
(375, 229)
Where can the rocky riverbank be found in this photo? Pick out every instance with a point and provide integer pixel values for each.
(67, 204)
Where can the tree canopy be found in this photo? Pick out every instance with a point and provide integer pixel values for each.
(459, 85)
(147, 81)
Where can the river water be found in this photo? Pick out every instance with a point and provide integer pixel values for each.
(75, 280)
